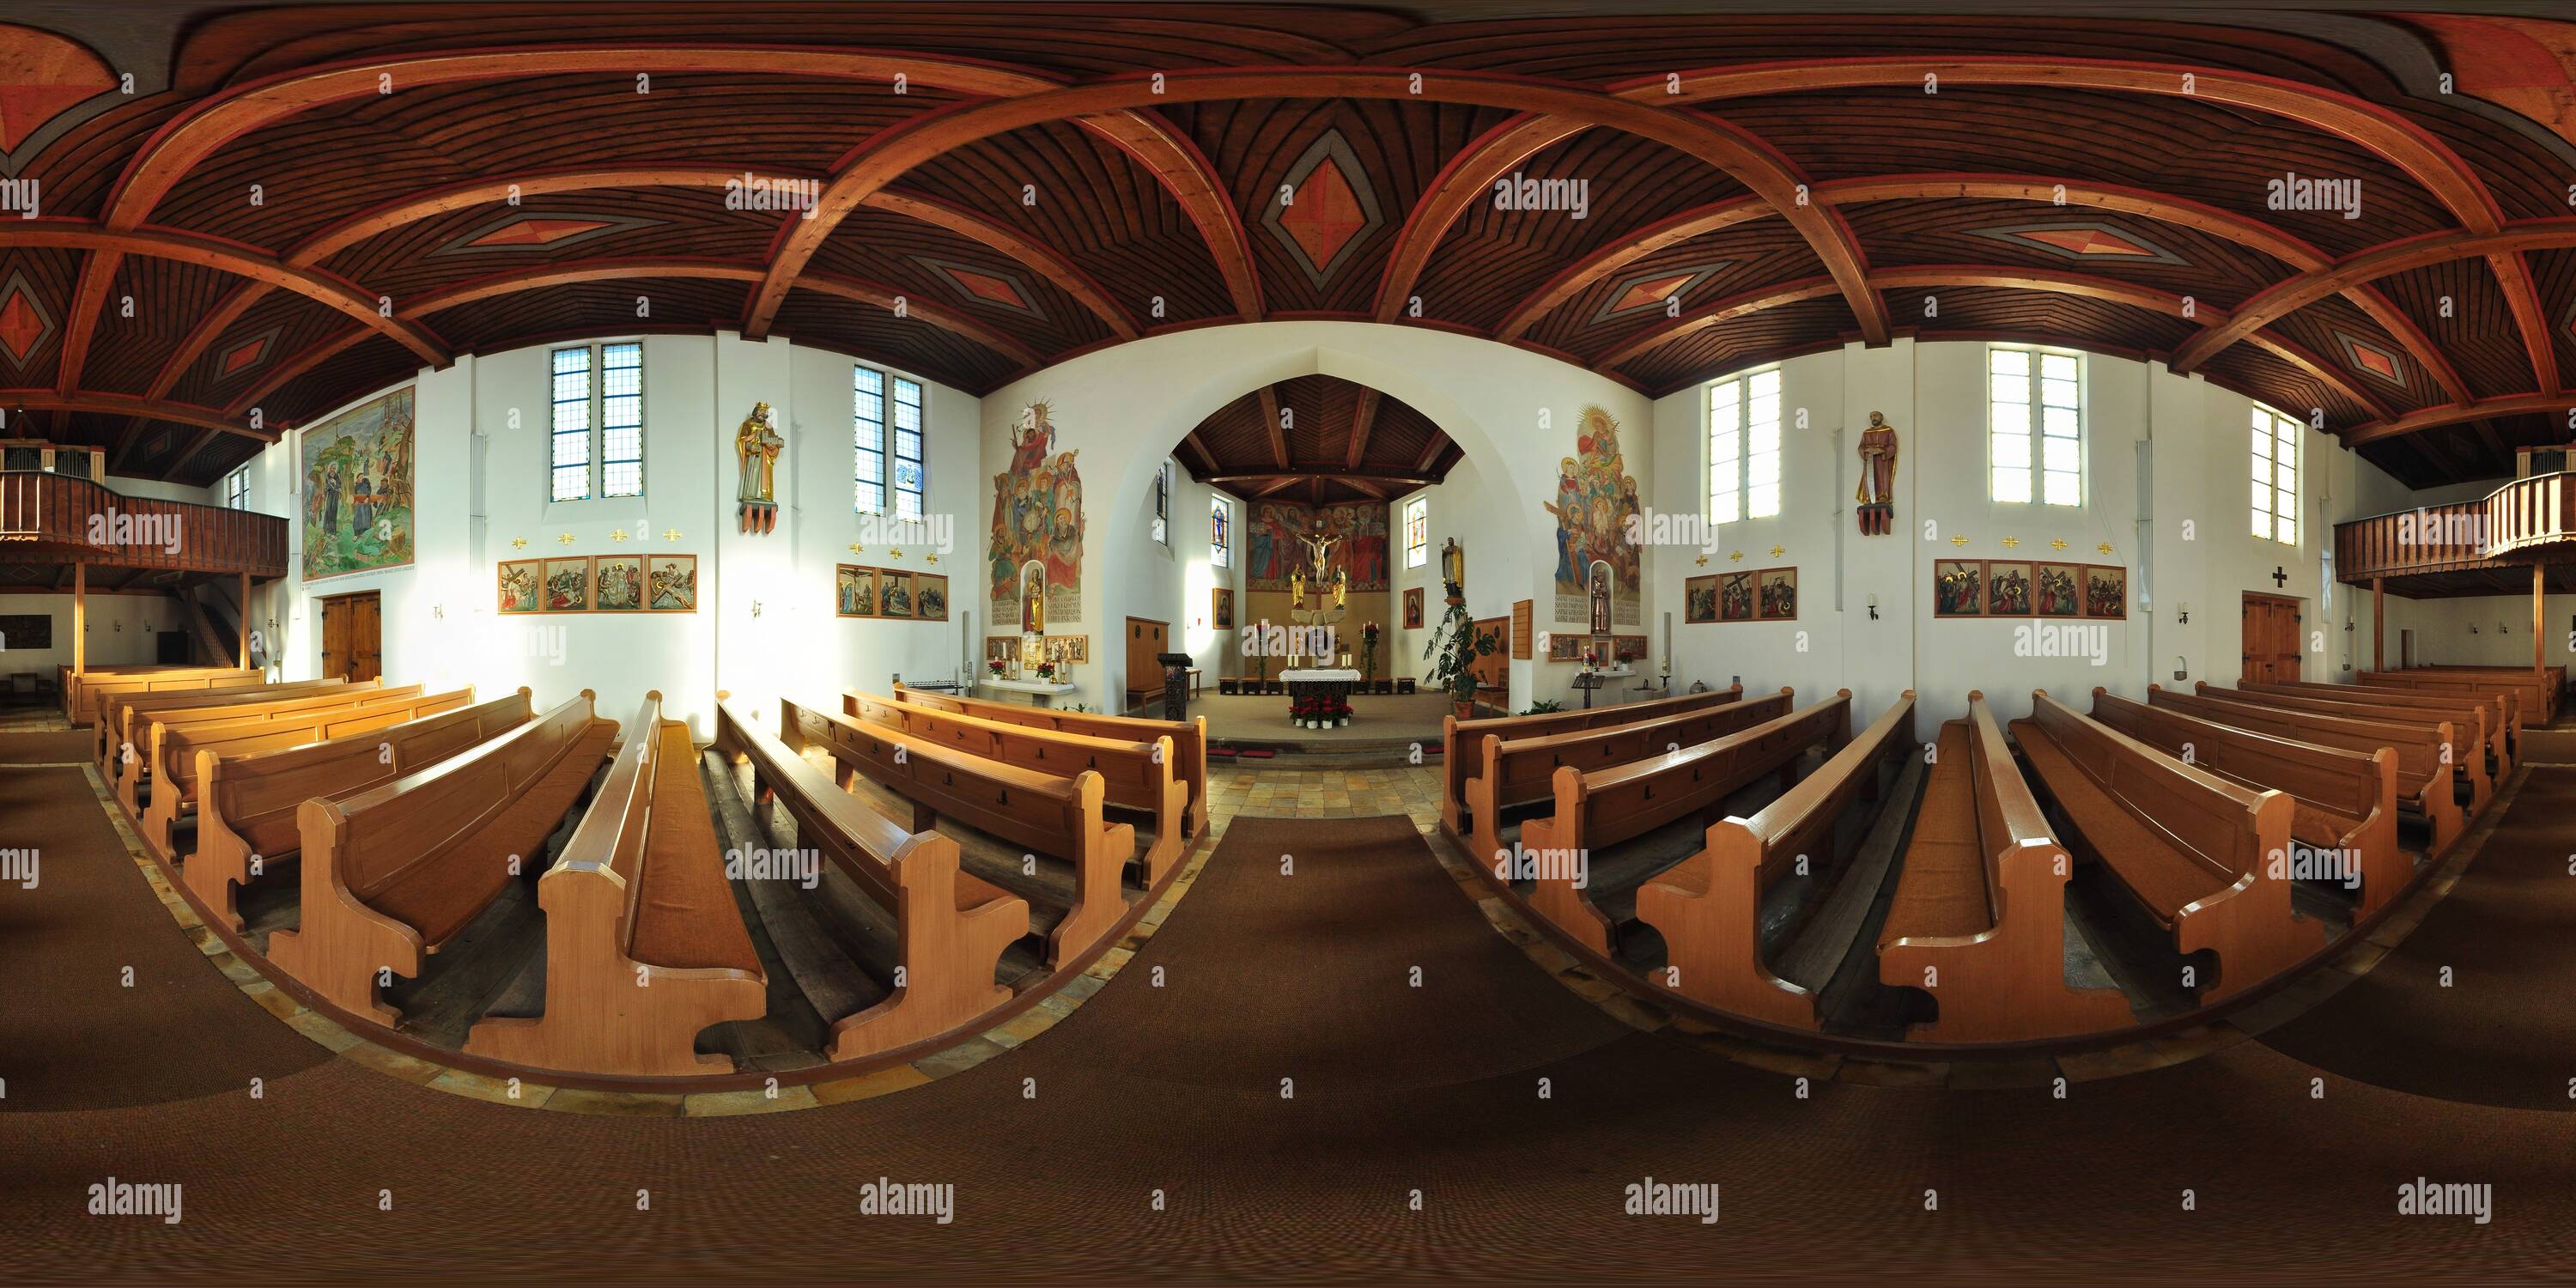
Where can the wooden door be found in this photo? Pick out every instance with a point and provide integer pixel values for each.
(353, 637)
(2271, 649)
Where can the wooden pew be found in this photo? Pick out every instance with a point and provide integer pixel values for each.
(1600, 809)
(1049, 814)
(2342, 801)
(246, 803)
(68, 684)
(950, 926)
(1189, 737)
(1709, 906)
(1520, 770)
(118, 713)
(174, 751)
(2426, 772)
(2190, 847)
(2485, 714)
(2552, 681)
(128, 725)
(396, 871)
(2471, 755)
(1136, 775)
(645, 946)
(88, 690)
(2526, 693)
(1979, 916)
(1460, 739)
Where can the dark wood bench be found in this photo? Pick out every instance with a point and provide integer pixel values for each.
(2189, 847)
(2482, 718)
(1708, 907)
(2343, 802)
(247, 803)
(645, 946)
(950, 926)
(1460, 739)
(1189, 737)
(2472, 753)
(1594, 811)
(1138, 775)
(2427, 775)
(1063, 816)
(174, 749)
(116, 727)
(1978, 920)
(1510, 771)
(394, 872)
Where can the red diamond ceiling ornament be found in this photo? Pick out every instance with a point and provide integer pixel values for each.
(1666, 290)
(536, 232)
(2088, 240)
(1323, 209)
(25, 325)
(41, 75)
(527, 230)
(998, 287)
(2372, 360)
(246, 354)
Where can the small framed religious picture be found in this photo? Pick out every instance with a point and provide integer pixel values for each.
(894, 593)
(1776, 595)
(671, 583)
(1221, 608)
(2008, 588)
(617, 583)
(1958, 588)
(1699, 599)
(2058, 590)
(522, 581)
(1735, 597)
(2106, 591)
(930, 597)
(855, 591)
(1413, 609)
(567, 585)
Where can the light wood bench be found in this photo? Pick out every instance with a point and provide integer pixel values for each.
(645, 946)
(394, 872)
(1979, 916)
(174, 750)
(950, 926)
(1519, 770)
(1136, 774)
(2528, 694)
(2481, 718)
(1597, 810)
(1708, 907)
(2551, 681)
(2188, 846)
(2473, 753)
(119, 713)
(1460, 739)
(246, 803)
(1061, 816)
(2344, 802)
(89, 691)
(2427, 773)
(1189, 737)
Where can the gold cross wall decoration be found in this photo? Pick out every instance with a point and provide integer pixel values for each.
(1958, 541)
(565, 539)
(1737, 557)
(2105, 547)
(857, 549)
(618, 536)
(2010, 542)
(670, 534)
(2058, 544)
(1777, 551)
(1703, 561)
(518, 543)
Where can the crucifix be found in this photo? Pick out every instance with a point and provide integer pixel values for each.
(2279, 578)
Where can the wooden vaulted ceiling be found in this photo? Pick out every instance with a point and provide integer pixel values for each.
(1318, 439)
(296, 205)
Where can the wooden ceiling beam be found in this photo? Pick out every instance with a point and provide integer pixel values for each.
(1270, 422)
(1402, 478)
(1029, 254)
(1363, 419)
(1206, 457)
(2554, 405)
(2522, 295)
(1281, 482)
(1186, 173)
(211, 419)
(890, 153)
(1469, 177)
(2282, 298)
(1431, 452)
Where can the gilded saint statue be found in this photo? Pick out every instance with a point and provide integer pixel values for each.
(1319, 553)
(1877, 491)
(756, 445)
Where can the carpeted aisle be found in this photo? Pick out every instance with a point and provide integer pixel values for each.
(1149, 1135)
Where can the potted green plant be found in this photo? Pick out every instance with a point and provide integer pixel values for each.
(1457, 646)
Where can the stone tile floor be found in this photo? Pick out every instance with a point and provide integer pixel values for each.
(1267, 792)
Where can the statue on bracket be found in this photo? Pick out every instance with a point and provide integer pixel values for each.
(1877, 491)
(756, 445)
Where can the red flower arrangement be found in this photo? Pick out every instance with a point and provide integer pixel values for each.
(997, 666)
(1320, 707)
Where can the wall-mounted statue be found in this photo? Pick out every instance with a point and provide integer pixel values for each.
(1877, 491)
(756, 446)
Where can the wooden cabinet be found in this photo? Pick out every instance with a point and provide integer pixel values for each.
(1146, 639)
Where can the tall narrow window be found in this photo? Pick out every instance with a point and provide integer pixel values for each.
(237, 489)
(2035, 426)
(1417, 532)
(2276, 476)
(597, 439)
(910, 477)
(867, 435)
(1744, 447)
(1220, 532)
(1163, 503)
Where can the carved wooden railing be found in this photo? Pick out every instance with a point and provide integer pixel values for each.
(2515, 519)
(54, 519)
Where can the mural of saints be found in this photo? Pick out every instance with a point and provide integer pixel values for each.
(1280, 529)
(1595, 498)
(1037, 514)
(357, 489)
